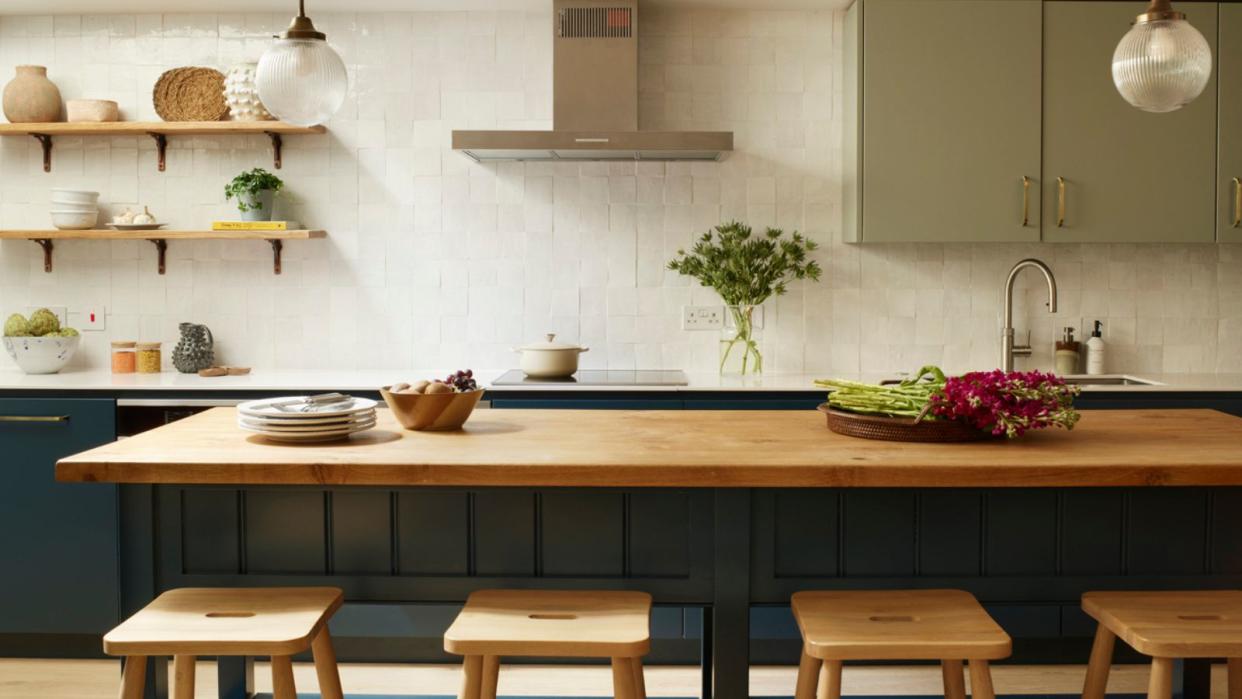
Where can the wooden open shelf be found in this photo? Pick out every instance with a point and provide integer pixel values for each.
(160, 239)
(159, 130)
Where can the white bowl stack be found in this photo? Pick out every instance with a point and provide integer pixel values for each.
(74, 209)
(323, 418)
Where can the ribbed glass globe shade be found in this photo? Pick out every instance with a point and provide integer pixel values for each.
(301, 81)
(1162, 65)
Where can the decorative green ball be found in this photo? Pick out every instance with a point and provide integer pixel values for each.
(17, 326)
(44, 322)
(68, 332)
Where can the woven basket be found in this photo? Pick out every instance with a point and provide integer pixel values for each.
(190, 94)
(900, 429)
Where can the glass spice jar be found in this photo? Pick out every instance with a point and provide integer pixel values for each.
(124, 357)
(150, 360)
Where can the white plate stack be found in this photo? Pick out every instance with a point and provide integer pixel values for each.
(322, 418)
(74, 209)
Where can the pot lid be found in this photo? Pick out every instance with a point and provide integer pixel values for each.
(549, 344)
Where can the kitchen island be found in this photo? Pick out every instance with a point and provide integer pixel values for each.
(729, 512)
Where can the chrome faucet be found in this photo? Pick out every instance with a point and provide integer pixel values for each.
(1008, 349)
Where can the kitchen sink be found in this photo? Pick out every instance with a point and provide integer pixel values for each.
(1109, 380)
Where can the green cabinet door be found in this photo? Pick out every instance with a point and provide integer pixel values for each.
(1229, 155)
(1113, 173)
(950, 120)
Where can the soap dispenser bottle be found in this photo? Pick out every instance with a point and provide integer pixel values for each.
(1069, 351)
(1095, 351)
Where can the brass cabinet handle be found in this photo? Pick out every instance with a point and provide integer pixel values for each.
(34, 418)
(1026, 201)
(1237, 202)
(1060, 202)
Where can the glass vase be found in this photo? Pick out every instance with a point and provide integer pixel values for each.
(739, 340)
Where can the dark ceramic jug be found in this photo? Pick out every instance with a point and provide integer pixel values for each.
(195, 351)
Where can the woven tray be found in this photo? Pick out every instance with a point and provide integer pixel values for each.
(190, 94)
(899, 429)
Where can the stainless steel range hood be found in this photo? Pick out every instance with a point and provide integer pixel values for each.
(595, 98)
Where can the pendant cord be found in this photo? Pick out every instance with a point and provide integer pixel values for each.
(302, 8)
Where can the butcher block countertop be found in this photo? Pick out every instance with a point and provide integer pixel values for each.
(677, 449)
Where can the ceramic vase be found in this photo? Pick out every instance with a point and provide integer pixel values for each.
(31, 97)
(242, 95)
(196, 349)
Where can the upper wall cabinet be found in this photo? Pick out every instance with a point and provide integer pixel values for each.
(1113, 173)
(1229, 172)
(943, 140)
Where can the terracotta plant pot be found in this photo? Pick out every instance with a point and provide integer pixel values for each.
(31, 97)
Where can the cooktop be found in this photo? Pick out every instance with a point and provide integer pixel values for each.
(599, 377)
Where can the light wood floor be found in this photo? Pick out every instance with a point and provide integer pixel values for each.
(98, 679)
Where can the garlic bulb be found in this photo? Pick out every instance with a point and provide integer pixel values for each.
(124, 218)
(145, 217)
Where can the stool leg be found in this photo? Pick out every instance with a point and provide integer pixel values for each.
(981, 680)
(640, 684)
(808, 676)
(1161, 685)
(472, 676)
(954, 680)
(1235, 678)
(623, 679)
(325, 666)
(183, 676)
(134, 677)
(490, 677)
(282, 678)
(830, 680)
(1100, 664)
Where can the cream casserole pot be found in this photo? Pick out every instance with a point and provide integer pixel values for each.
(550, 359)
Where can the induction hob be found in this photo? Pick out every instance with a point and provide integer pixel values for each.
(598, 377)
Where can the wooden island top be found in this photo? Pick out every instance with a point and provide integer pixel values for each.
(601, 448)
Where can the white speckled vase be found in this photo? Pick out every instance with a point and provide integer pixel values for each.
(242, 96)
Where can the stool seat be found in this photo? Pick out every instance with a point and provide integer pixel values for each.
(226, 621)
(1191, 624)
(897, 625)
(559, 623)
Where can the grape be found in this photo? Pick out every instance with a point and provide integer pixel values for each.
(462, 381)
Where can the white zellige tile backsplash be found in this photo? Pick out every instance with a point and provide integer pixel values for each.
(433, 260)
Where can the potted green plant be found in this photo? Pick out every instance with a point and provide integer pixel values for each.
(746, 270)
(255, 192)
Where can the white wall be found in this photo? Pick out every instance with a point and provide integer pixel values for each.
(435, 261)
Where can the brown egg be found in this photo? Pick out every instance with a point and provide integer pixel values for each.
(398, 387)
(439, 388)
(421, 386)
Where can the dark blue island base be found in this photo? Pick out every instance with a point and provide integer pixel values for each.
(721, 563)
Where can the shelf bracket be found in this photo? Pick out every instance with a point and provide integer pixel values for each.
(161, 147)
(45, 140)
(161, 247)
(277, 247)
(277, 142)
(46, 244)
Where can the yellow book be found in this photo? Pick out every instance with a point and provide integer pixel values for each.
(253, 225)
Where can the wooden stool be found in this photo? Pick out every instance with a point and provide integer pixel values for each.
(185, 623)
(944, 625)
(551, 623)
(1165, 626)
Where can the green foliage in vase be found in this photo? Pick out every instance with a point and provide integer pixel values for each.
(247, 186)
(744, 268)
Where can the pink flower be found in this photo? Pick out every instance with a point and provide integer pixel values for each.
(1008, 404)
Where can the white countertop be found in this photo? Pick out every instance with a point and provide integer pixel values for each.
(310, 381)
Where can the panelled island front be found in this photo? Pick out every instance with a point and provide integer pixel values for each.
(721, 515)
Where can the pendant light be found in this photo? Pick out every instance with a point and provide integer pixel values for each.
(1163, 63)
(301, 80)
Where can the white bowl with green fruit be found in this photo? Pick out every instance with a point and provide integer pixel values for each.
(38, 344)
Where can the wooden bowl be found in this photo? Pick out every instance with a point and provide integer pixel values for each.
(431, 411)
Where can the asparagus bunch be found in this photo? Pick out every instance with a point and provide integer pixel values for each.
(909, 398)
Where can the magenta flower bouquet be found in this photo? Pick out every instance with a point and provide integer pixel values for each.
(1007, 404)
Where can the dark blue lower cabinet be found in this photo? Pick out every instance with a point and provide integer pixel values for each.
(58, 541)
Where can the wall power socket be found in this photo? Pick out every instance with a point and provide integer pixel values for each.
(702, 317)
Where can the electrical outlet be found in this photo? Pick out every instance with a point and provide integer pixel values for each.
(702, 317)
(90, 318)
(61, 313)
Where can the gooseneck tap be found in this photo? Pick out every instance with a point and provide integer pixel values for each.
(1008, 349)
